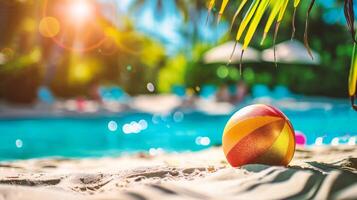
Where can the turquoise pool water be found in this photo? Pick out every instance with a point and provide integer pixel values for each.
(24, 138)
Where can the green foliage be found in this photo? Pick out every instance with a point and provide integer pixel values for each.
(329, 79)
(172, 74)
(131, 59)
(126, 58)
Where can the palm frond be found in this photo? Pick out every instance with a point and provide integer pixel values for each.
(276, 10)
(352, 81)
(349, 15)
(306, 36)
(241, 6)
(210, 7)
(296, 4)
(223, 7)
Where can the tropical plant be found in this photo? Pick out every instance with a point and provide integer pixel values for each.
(183, 5)
(277, 9)
(352, 82)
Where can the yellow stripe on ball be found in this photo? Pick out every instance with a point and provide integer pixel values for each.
(258, 134)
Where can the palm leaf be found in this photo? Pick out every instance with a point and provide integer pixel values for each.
(210, 7)
(277, 8)
(296, 4)
(352, 81)
(223, 7)
(306, 36)
(277, 25)
(248, 16)
(274, 13)
(242, 4)
(254, 24)
(349, 15)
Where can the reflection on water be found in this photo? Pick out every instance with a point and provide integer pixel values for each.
(19, 143)
(135, 127)
(131, 132)
(112, 126)
(204, 141)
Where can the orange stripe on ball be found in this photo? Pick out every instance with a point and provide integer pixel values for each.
(278, 150)
(240, 129)
(255, 144)
(258, 110)
(259, 134)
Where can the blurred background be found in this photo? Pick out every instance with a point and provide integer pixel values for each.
(106, 77)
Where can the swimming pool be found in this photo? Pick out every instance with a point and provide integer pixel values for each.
(23, 138)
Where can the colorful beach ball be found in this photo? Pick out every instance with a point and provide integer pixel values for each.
(258, 134)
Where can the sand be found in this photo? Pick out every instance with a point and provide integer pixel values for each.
(316, 173)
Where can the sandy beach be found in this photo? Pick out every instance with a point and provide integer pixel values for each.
(317, 173)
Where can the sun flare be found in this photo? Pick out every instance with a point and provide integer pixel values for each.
(80, 11)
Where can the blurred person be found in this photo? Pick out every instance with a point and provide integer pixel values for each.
(223, 94)
(241, 92)
(189, 99)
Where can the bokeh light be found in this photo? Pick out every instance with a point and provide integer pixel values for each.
(156, 119)
(81, 72)
(319, 141)
(112, 126)
(178, 116)
(150, 87)
(129, 68)
(249, 75)
(2, 59)
(352, 141)
(222, 72)
(135, 127)
(234, 74)
(49, 27)
(203, 141)
(8, 53)
(156, 151)
(29, 25)
(335, 141)
(143, 124)
(64, 22)
(19, 143)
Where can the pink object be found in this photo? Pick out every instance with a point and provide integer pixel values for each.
(81, 104)
(300, 138)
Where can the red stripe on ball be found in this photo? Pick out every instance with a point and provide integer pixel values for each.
(255, 144)
(254, 111)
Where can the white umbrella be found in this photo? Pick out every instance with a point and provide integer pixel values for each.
(290, 52)
(222, 53)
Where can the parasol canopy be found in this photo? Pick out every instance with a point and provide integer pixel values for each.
(291, 52)
(222, 53)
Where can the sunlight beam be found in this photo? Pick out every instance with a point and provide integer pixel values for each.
(80, 11)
